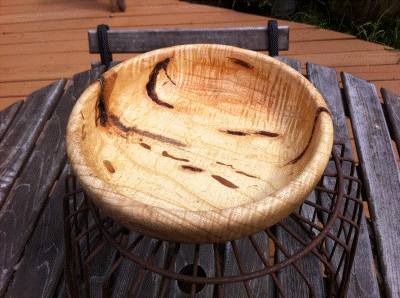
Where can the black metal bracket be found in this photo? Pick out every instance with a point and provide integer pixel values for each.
(273, 38)
(105, 55)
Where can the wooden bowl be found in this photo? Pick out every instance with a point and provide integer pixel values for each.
(199, 143)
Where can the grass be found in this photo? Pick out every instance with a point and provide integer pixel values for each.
(383, 29)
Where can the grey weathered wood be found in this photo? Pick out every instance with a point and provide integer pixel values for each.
(261, 287)
(291, 280)
(295, 64)
(101, 263)
(21, 210)
(20, 140)
(95, 64)
(129, 271)
(363, 282)
(42, 263)
(7, 116)
(392, 107)
(186, 257)
(382, 183)
(139, 41)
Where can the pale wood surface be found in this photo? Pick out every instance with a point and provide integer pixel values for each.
(171, 129)
(52, 36)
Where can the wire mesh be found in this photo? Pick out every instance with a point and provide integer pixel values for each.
(105, 259)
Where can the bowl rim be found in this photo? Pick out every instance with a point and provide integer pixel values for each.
(190, 226)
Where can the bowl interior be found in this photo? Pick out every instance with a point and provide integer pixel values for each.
(197, 128)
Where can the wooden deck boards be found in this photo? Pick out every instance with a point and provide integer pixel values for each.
(45, 40)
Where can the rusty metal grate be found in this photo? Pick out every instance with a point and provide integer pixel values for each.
(104, 258)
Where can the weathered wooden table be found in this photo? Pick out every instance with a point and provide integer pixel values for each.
(33, 158)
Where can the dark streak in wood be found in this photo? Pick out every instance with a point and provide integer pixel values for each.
(225, 182)
(109, 166)
(101, 106)
(235, 132)
(248, 175)
(165, 154)
(220, 163)
(151, 85)
(145, 146)
(267, 134)
(82, 116)
(83, 132)
(194, 169)
(319, 111)
(117, 123)
(132, 129)
(241, 63)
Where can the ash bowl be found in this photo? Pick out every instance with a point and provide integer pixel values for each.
(199, 143)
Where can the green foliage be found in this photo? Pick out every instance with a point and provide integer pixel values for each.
(383, 30)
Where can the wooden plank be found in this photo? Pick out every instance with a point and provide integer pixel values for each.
(186, 257)
(291, 280)
(22, 89)
(382, 184)
(9, 101)
(139, 41)
(142, 19)
(90, 10)
(261, 287)
(392, 85)
(142, 41)
(20, 38)
(392, 108)
(19, 142)
(42, 262)
(296, 35)
(363, 282)
(290, 277)
(21, 210)
(372, 72)
(356, 58)
(129, 272)
(333, 46)
(101, 264)
(61, 46)
(7, 116)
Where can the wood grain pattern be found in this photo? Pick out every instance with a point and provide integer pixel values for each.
(290, 277)
(382, 184)
(42, 264)
(129, 272)
(215, 132)
(16, 147)
(186, 257)
(25, 202)
(7, 116)
(392, 108)
(140, 41)
(260, 287)
(363, 282)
